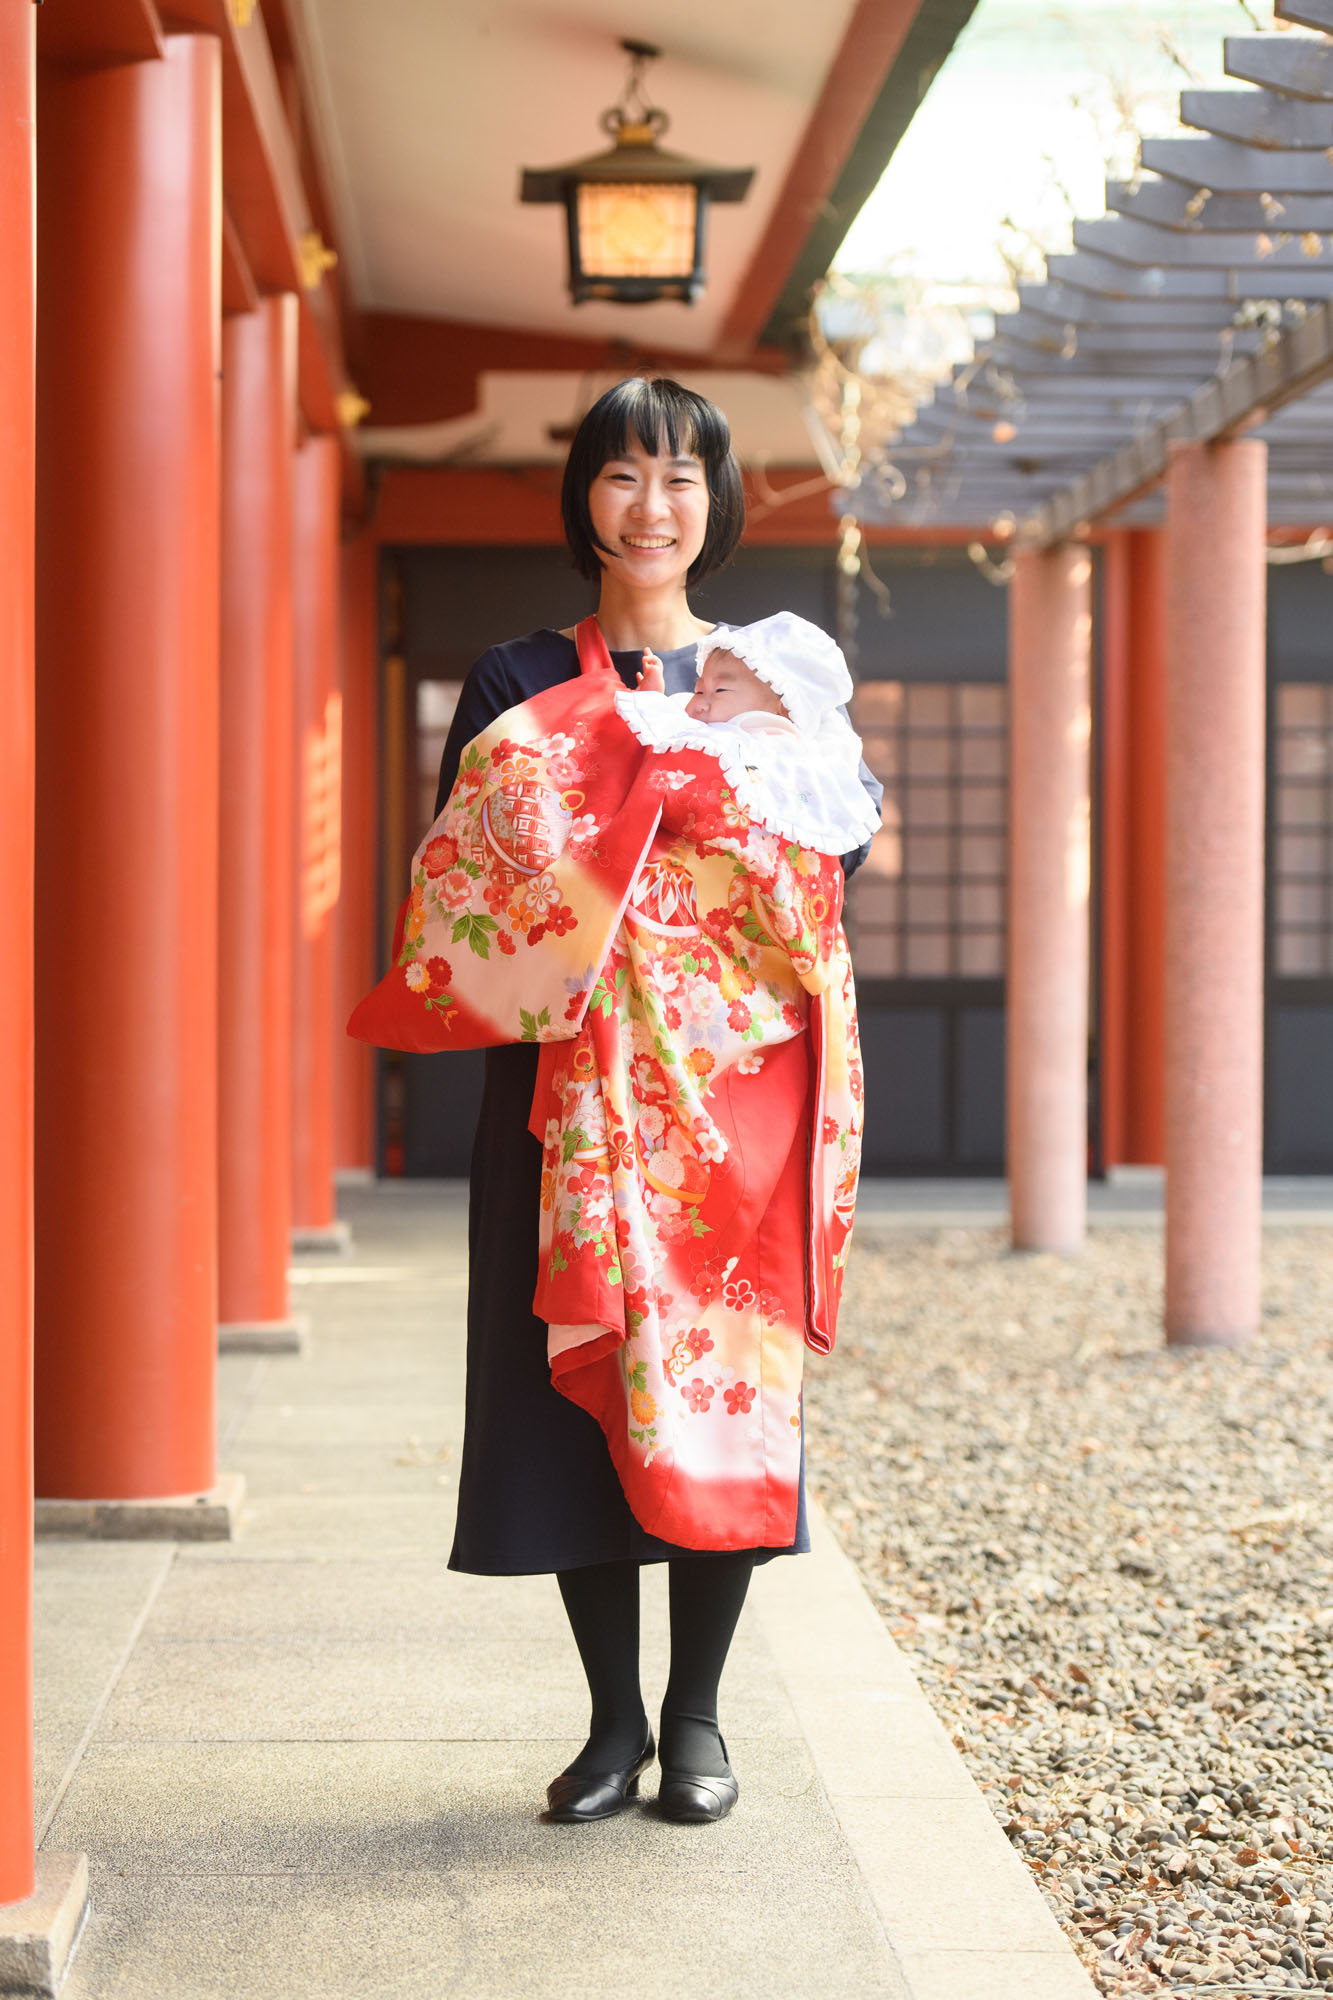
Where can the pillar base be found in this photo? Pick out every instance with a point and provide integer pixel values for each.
(333, 1239)
(38, 1936)
(180, 1517)
(265, 1336)
(354, 1177)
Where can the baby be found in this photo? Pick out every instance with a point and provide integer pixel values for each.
(768, 705)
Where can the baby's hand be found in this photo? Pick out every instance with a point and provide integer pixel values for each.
(651, 679)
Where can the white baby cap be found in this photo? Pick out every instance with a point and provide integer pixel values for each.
(803, 666)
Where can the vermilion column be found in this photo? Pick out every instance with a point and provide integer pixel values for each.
(1215, 536)
(357, 942)
(127, 801)
(1133, 825)
(318, 708)
(16, 840)
(257, 872)
(1046, 1006)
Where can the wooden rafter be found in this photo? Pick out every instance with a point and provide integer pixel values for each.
(1199, 306)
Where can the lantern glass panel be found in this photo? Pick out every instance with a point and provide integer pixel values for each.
(636, 230)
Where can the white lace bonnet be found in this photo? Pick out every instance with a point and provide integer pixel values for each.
(802, 665)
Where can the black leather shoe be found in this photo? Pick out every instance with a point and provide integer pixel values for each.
(582, 1795)
(691, 1797)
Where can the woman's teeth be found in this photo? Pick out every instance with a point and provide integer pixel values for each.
(648, 541)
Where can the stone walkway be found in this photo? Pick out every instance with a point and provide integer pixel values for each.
(309, 1762)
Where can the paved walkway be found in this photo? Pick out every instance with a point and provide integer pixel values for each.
(309, 1762)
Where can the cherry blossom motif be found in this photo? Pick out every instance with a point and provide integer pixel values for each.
(558, 921)
(711, 1144)
(541, 895)
(750, 1063)
(738, 1295)
(562, 771)
(738, 1399)
(698, 1395)
(680, 1358)
(582, 833)
(699, 1342)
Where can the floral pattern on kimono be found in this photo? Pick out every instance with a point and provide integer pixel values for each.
(676, 1273)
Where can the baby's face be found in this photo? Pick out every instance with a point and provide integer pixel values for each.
(726, 688)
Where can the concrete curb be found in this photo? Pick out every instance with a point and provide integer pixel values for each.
(181, 1517)
(38, 1936)
(961, 1914)
(265, 1336)
(333, 1239)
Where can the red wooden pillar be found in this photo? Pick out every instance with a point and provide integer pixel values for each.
(1216, 582)
(318, 709)
(257, 873)
(357, 942)
(16, 863)
(1133, 912)
(127, 796)
(1050, 628)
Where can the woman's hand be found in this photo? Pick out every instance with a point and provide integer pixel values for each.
(651, 678)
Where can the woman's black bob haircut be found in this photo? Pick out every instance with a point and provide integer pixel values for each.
(663, 416)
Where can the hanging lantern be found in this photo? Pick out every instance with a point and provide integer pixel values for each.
(636, 215)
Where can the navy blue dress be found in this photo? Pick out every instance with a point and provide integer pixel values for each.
(537, 1489)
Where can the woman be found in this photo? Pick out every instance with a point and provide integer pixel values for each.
(652, 502)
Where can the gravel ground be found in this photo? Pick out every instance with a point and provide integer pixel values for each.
(1112, 1569)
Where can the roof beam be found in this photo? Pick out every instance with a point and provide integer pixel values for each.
(1306, 13)
(1257, 118)
(1286, 63)
(830, 174)
(1168, 204)
(1064, 340)
(1071, 305)
(98, 33)
(1144, 244)
(1025, 358)
(1093, 271)
(1229, 168)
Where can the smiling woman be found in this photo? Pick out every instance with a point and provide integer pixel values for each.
(652, 503)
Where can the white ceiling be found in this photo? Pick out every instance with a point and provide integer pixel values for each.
(428, 109)
(509, 425)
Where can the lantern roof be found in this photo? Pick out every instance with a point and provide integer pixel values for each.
(633, 160)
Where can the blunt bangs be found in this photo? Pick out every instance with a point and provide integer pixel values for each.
(663, 417)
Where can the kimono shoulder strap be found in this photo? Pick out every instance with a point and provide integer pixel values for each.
(593, 655)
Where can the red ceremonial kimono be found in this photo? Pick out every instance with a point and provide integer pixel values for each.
(699, 1099)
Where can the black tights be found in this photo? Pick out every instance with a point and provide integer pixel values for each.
(602, 1603)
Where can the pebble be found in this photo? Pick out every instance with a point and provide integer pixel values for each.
(1110, 1565)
